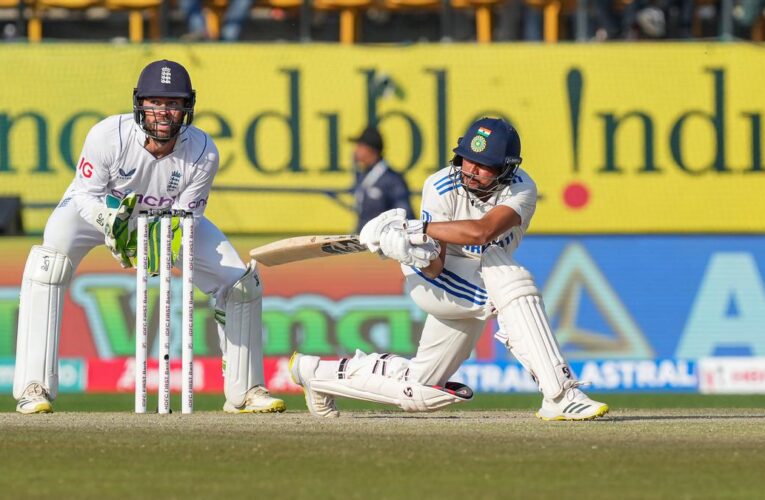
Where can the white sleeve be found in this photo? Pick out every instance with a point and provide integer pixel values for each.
(194, 197)
(436, 197)
(91, 180)
(522, 199)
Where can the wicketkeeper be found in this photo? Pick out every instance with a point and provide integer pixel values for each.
(149, 159)
(474, 213)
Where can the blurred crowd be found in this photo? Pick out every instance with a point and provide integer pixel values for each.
(412, 20)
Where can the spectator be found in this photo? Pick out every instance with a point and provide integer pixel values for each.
(746, 13)
(655, 19)
(608, 22)
(378, 188)
(237, 13)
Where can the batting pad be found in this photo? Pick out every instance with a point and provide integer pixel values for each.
(524, 321)
(244, 341)
(408, 396)
(46, 277)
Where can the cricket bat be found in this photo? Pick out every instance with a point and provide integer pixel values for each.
(311, 247)
(306, 247)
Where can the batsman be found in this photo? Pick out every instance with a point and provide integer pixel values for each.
(153, 158)
(475, 213)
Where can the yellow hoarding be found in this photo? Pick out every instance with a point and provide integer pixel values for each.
(619, 137)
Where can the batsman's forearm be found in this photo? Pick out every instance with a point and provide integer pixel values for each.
(436, 265)
(475, 231)
(460, 232)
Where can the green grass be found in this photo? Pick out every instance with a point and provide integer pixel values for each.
(652, 446)
(208, 402)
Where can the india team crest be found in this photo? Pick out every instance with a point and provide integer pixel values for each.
(478, 143)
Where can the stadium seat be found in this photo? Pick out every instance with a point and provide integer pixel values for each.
(698, 22)
(483, 16)
(350, 24)
(428, 7)
(293, 7)
(282, 4)
(137, 9)
(758, 30)
(34, 30)
(411, 4)
(12, 10)
(214, 10)
(9, 4)
(551, 11)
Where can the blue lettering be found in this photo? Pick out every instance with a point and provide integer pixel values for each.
(728, 309)
(500, 243)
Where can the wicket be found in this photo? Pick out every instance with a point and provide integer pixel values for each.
(187, 324)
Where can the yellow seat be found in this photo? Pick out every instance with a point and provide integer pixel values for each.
(350, 23)
(137, 8)
(551, 11)
(282, 4)
(34, 29)
(483, 16)
(411, 4)
(9, 4)
(214, 10)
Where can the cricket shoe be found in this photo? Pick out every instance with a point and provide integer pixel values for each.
(573, 404)
(34, 400)
(257, 400)
(302, 371)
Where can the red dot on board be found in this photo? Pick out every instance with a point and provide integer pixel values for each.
(576, 195)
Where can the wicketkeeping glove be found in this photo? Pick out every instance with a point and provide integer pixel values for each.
(155, 243)
(121, 233)
(119, 228)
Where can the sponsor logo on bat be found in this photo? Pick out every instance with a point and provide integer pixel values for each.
(341, 247)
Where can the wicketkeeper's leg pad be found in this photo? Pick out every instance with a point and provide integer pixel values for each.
(382, 378)
(243, 353)
(46, 276)
(522, 318)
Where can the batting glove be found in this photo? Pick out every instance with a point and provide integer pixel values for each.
(417, 251)
(372, 232)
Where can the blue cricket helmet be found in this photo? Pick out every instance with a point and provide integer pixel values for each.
(163, 78)
(491, 142)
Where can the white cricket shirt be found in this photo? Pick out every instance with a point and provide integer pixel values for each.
(114, 161)
(444, 199)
